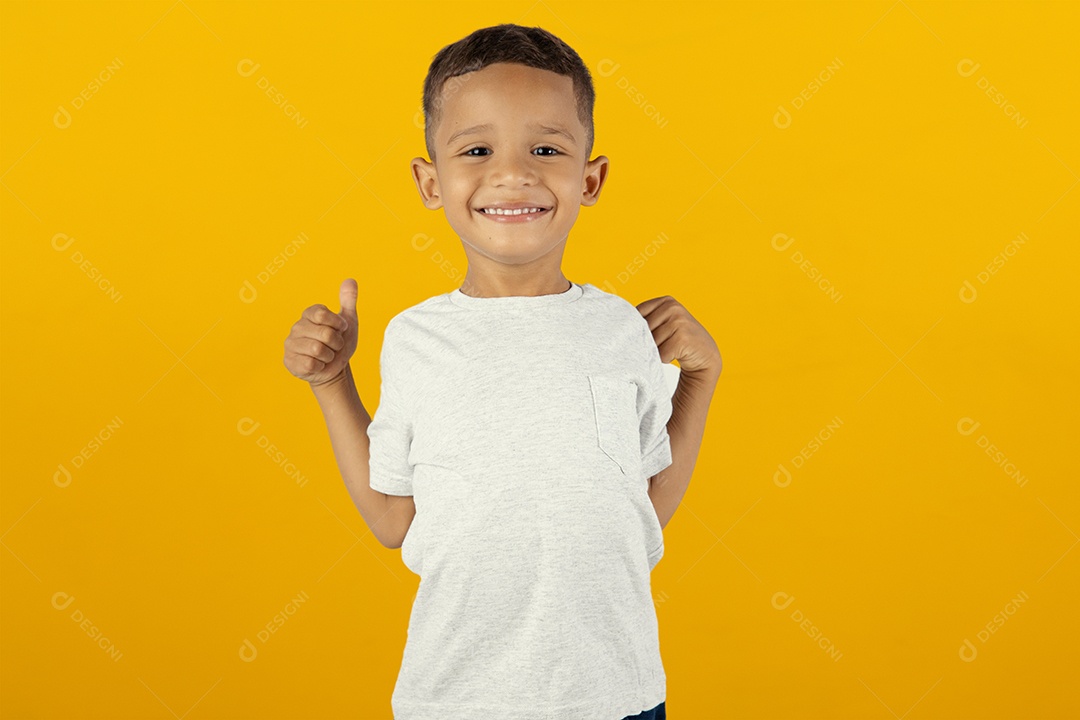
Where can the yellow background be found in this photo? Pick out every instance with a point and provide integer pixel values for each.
(152, 270)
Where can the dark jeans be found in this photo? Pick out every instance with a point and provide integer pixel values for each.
(657, 713)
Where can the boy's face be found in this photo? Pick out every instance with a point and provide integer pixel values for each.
(517, 159)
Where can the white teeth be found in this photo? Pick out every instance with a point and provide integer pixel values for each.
(518, 211)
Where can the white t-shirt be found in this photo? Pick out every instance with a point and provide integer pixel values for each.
(526, 429)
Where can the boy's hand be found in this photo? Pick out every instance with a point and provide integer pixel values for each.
(321, 341)
(679, 336)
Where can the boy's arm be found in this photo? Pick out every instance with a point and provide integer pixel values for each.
(388, 516)
(689, 410)
(677, 335)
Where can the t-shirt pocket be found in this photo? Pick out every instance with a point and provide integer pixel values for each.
(615, 409)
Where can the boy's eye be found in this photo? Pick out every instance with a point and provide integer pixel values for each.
(554, 152)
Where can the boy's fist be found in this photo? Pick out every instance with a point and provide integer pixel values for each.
(679, 336)
(321, 342)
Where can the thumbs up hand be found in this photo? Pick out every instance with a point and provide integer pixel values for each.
(321, 342)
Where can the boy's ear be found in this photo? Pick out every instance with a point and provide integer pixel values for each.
(427, 182)
(595, 175)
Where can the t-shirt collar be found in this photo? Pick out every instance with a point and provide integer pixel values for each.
(527, 302)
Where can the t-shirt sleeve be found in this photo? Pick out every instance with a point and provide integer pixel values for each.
(390, 432)
(654, 409)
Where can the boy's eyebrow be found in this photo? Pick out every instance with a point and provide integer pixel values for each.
(545, 129)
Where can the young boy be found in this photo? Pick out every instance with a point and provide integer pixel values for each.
(523, 422)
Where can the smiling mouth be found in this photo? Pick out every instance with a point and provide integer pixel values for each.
(517, 215)
(514, 211)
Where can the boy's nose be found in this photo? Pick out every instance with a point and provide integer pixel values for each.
(509, 169)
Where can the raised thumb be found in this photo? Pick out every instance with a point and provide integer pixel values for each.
(348, 300)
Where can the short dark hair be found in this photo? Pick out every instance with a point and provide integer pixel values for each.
(507, 43)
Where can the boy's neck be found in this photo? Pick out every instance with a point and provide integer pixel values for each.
(493, 287)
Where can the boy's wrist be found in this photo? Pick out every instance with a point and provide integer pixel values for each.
(702, 377)
(334, 385)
